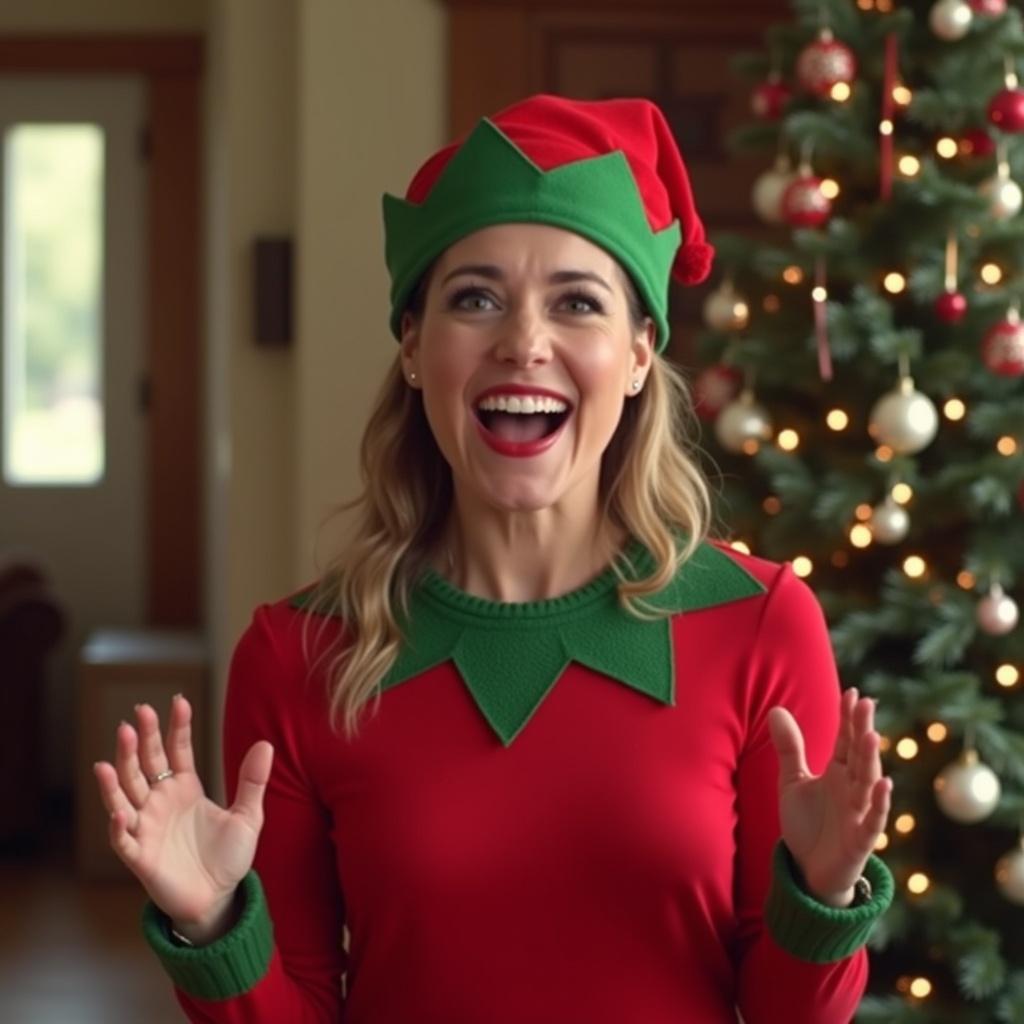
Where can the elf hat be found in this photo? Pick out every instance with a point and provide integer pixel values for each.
(609, 170)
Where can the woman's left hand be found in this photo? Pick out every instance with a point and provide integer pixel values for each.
(830, 822)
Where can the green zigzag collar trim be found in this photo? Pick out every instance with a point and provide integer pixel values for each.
(510, 655)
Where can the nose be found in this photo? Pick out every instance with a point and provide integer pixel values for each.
(524, 339)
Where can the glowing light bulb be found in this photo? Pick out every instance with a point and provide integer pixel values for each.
(771, 303)
(772, 505)
(837, 419)
(947, 147)
(914, 566)
(840, 92)
(991, 273)
(860, 536)
(803, 566)
(739, 545)
(788, 440)
(883, 453)
(954, 409)
(902, 95)
(1007, 675)
(885, 127)
(894, 282)
(1006, 445)
(965, 579)
(918, 883)
(863, 512)
(909, 165)
(904, 823)
(907, 748)
(882, 841)
(902, 493)
(920, 988)
(829, 188)
(819, 293)
(937, 732)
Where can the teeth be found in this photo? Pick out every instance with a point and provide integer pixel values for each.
(524, 404)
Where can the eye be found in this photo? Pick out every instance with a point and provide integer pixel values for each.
(458, 300)
(585, 300)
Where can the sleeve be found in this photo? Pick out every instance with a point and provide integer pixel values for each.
(284, 959)
(798, 960)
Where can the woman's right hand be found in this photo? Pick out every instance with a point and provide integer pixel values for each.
(188, 852)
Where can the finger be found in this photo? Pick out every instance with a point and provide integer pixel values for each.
(125, 845)
(129, 771)
(179, 736)
(789, 745)
(253, 775)
(112, 795)
(151, 746)
(878, 813)
(866, 772)
(844, 737)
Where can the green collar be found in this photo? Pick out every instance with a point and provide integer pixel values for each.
(510, 655)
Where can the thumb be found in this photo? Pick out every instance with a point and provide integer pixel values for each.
(253, 775)
(789, 745)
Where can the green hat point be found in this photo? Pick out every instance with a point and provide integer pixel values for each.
(490, 180)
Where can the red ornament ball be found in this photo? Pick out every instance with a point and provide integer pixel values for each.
(804, 205)
(1006, 110)
(714, 388)
(824, 63)
(989, 8)
(950, 307)
(769, 98)
(1002, 348)
(977, 142)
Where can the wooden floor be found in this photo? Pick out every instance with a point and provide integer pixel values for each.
(73, 952)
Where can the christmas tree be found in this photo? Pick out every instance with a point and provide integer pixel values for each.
(862, 378)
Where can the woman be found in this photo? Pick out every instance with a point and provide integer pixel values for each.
(565, 800)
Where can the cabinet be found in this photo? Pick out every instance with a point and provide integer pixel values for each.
(118, 669)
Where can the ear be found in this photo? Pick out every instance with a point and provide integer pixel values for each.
(642, 355)
(410, 344)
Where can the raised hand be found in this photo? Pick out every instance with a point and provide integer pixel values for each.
(830, 822)
(188, 852)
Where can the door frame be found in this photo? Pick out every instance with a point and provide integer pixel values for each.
(171, 67)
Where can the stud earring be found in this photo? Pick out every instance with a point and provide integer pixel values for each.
(636, 385)
(412, 378)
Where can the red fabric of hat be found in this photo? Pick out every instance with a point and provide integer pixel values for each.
(554, 130)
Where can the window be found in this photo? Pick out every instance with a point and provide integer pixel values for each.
(52, 305)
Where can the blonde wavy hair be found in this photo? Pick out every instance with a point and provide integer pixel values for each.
(651, 487)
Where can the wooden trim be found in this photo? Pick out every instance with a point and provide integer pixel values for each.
(174, 332)
(693, 8)
(102, 54)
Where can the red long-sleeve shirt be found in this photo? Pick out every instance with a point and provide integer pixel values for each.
(609, 864)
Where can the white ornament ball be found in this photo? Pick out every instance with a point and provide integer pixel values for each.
(967, 790)
(743, 424)
(1004, 196)
(997, 613)
(951, 19)
(904, 419)
(725, 309)
(1010, 874)
(889, 522)
(769, 189)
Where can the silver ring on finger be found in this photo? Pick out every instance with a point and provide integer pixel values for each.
(159, 777)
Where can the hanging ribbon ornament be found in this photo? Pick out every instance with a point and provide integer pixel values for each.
(885, 125)
(819, 296)
(951, 305)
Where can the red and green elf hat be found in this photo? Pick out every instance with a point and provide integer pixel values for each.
(609, 170)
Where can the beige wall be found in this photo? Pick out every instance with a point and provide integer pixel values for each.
(371, 98)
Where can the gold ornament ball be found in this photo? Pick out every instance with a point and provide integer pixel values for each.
(904, 419)
(742, 420)
(967, 790)
(950, 20)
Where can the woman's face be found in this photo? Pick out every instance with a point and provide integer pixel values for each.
(525, 353)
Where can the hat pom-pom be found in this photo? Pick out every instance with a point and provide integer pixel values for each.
(693, 262)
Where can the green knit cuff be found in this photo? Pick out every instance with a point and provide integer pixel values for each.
(226, 968)
(812, 931)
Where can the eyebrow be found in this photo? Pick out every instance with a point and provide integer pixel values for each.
(489, 270)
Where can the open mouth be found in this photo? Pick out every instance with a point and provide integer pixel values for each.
(520, 427)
